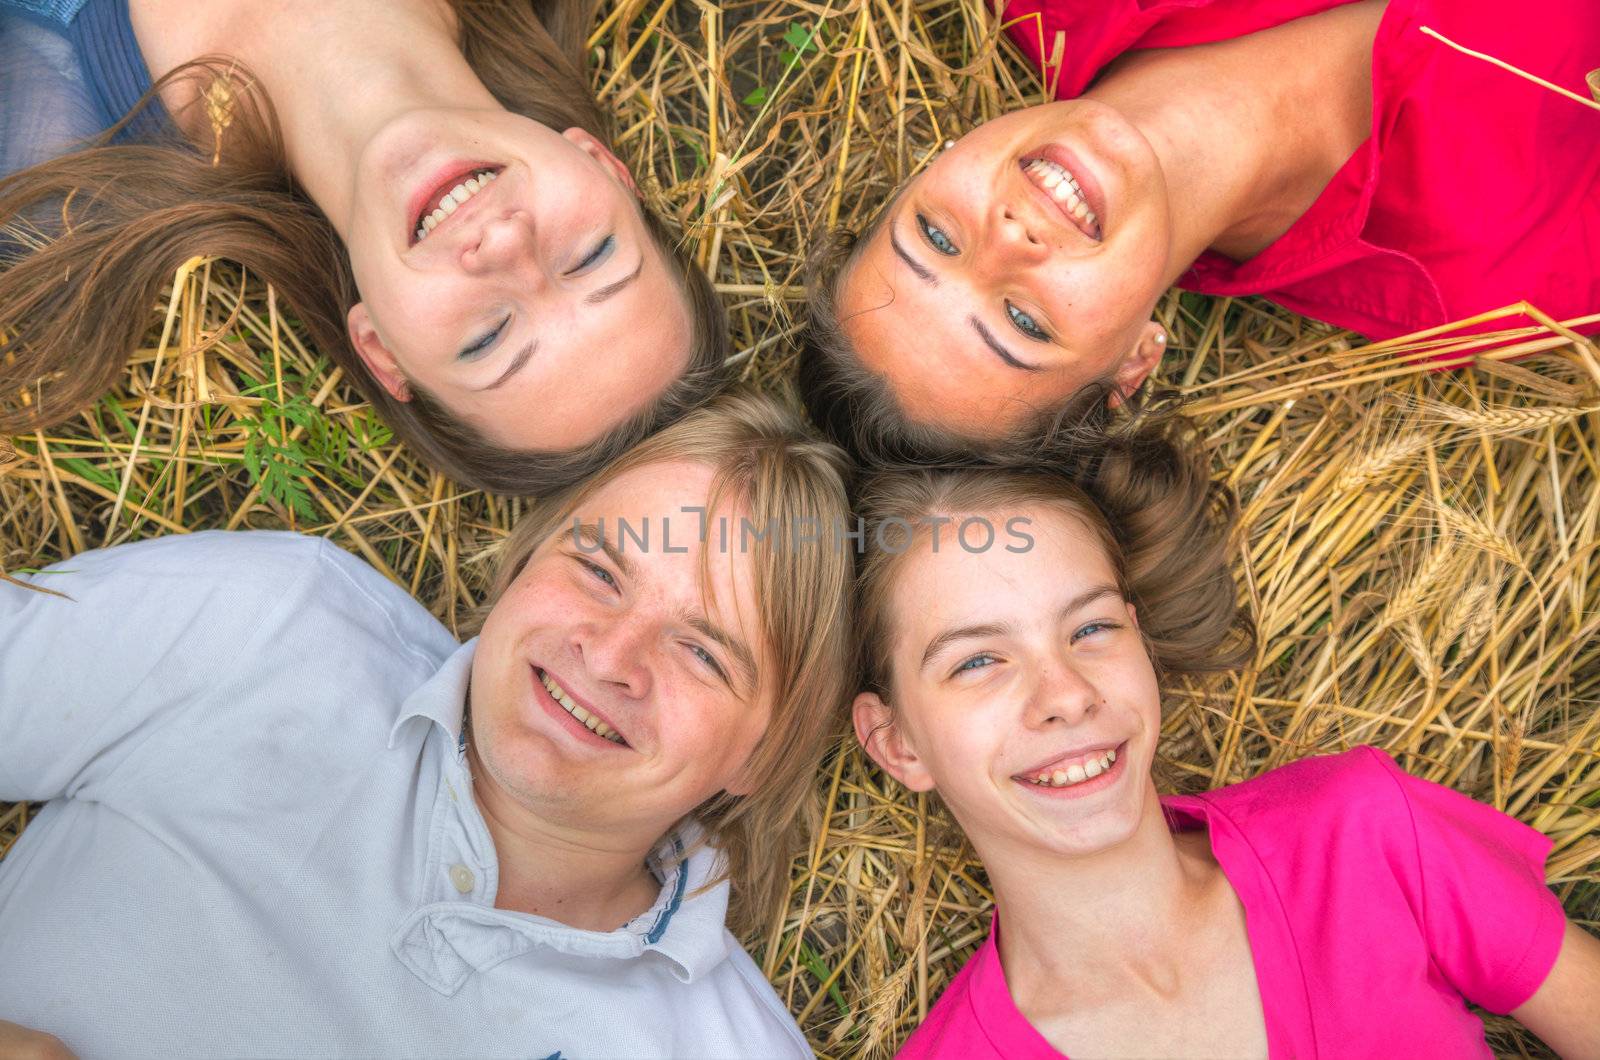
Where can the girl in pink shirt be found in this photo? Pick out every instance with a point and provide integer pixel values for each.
(1332, 907)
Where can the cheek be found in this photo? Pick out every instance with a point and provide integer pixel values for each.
(960, 739)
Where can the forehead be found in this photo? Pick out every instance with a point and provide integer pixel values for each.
(1040, 554)
(659, 518)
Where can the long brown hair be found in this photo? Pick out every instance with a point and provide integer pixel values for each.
(89, 240)
(769, 461)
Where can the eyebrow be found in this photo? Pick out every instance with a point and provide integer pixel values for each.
(601, 294)
(994, 629)
(924, 273)
(994, 344)
(522, 357)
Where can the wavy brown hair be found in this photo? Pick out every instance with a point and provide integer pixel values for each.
(88, 242)
(1146, 496)
(770, 463)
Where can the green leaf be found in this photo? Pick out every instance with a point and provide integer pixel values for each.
(816, 967)
(757, 96)
(800, 38)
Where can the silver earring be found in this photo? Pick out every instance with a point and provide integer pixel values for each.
(948, 144)
(1161, 338)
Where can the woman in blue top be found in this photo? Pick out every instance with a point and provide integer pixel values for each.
(426, 183)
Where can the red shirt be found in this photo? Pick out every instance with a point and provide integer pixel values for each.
(1475, 190)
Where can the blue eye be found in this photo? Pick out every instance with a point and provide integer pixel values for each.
(598, 254)
(936, 237)
(598, 572)
(709, 659)
(1026, 324)
(1092, 628)
(477, 347)
(977, 662)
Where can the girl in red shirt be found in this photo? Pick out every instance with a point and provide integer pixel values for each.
(1328, 154)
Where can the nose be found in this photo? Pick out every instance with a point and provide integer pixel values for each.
(504, 243)
(1013, 235)
(1064, 695)
(615, 652)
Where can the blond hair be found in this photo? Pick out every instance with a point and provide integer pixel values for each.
(768, 460)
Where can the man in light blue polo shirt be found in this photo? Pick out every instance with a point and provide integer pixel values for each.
(279, 825)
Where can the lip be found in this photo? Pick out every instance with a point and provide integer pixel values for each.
(1093, 194)
(579, 730)
(1083, 789)
(443, 180)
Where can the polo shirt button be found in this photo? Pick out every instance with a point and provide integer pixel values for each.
(462, 877)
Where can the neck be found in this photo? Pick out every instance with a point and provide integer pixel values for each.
(1249, 131)
(1134, 907)
(589, 880)
(338, 74)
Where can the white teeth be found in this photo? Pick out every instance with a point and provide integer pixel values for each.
(452, 200)
(1077, 772)
(1063, 187)
(589, 721)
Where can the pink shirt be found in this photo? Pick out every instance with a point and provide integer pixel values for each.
(1476, 189)
(1375, 903)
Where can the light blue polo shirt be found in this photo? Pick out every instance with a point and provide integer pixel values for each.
(260, 837)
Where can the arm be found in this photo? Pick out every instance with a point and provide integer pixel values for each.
(1565, 1011)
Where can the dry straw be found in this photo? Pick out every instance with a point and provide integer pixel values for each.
(1418, 547)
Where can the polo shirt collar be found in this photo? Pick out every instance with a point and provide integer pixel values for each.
(442, 698)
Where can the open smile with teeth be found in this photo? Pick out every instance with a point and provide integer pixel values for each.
(589, 721)
(452, 200)
(1076, 772)
(1063, 187)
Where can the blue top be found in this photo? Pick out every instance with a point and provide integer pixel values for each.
(69, 70)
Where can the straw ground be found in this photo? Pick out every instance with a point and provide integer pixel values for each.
(1418, 548)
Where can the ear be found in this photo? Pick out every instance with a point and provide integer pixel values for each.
(595, 149)
(886, 743)
(375, 355)
(1137, 366)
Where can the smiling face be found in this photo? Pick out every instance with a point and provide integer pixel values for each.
(1022, 264)
(506, 270)
(1021, 691)
(608, 689)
